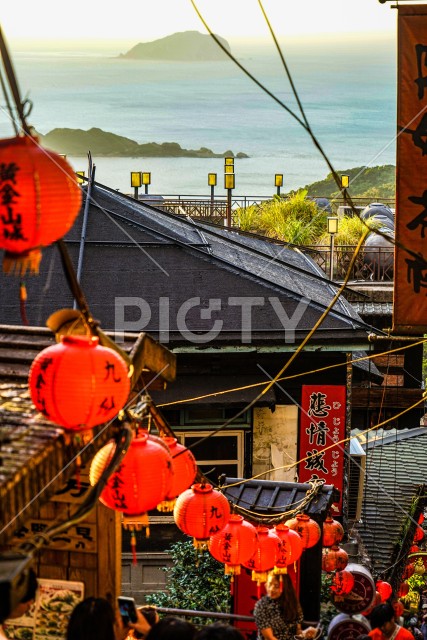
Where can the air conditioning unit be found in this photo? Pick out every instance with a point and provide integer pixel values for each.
(356, 482)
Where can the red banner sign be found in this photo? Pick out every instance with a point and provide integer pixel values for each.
(410, 268)
(322, 423)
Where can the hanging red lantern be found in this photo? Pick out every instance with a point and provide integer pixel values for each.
(308, 529)
(409, 570)
(403, 590)
(184, 472)
(78, 383)
(342, 582)
(414, 549)
(334, 559)
(333, 532)
(290, 549)
(201, 512)
(398, 608)
(421, 518)
(40, 201)
(419, 534)
(234, 545)
(384, 589)
(266, 554)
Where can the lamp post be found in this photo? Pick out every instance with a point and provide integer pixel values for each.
(229, 164)
(146, 180)
(81, 176)
(135, 182)
(332, 230)
(212, 183)
(345, 181)
(229, 184)
(278, 181)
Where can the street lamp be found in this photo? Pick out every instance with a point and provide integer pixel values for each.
(81, 177)
(146, 180)
(332, 230)
(345, 181)
(212, 183)
(229, 185)
(135, 182)
(278, 182)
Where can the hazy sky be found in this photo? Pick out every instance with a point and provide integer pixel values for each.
(143, 20)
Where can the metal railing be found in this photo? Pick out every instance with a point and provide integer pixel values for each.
(373, 264)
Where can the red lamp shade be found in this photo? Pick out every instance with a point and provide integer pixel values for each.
(184, 472)
(403, 590)
(419, 534)
(342, 582)
(290, 548)
(266, 553)
(140, 482)
(334, 559)
(39, 202)
(201, 512)
(333, 532)
(234, 544)
(308, 529)
(384, 589)
(78, 383)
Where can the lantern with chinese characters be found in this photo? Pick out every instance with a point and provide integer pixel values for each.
(334, 559)
(184, 473)
(234, 544)
(78, 383)
(384, 589)
(333, 532)
(201, 512)
(290, 548)
(342, 582)
(40, 199)
(266, 553)
(307, 529)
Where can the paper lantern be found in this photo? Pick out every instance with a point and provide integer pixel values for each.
(140, 482)
(234, 544)
(409, 570)
(384, 589)
(421, 518)
(78, 383)
(40, 199)
(201, 512)
(342, 582)
(308, 529)
(290, 548)
(333, 532)
(184, 472)
(419, 534)
(266, 554)
(403, 590)
(334, 559)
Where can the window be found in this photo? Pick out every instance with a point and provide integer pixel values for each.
(220, 454)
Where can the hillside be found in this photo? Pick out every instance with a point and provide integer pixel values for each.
(371, 182)
(77, 142)
(182, 46)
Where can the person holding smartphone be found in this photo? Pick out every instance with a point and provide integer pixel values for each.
(95, 619)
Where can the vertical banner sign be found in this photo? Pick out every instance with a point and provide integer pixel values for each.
(410, 267)
(322, 423)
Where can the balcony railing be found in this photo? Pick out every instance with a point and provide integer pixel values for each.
(373, 264)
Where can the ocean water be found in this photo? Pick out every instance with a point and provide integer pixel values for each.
(348, 90)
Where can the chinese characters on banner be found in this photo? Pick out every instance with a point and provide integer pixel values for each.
(410, 272)
(322, 422)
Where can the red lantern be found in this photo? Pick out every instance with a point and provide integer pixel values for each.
(334, 559)
(419, 534)
(333, 532)
(409, 571)
(290, 549)
(142, 479)
(342, 583)
(307, 528)
(234, 545)
(403, 590)
(201, 512)
(40, 202)
(398, 608)
(414, 549)
(384, 589)
(78, 383)
(421, 518)
(184, 472)
(266, 553)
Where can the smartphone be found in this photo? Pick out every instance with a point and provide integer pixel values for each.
(127, 609)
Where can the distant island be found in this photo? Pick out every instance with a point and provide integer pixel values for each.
(190, 46)
(77, 142)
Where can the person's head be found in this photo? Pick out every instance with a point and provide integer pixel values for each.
(171, 628)
(219, 631)
(280, 588)
(92, 618)
(382, 617)
(29, 596)
(150, 613)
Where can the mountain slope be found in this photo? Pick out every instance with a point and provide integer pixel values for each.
(184, 45)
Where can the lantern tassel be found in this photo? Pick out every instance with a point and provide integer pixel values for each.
(20, 263)
(133, 547)
(232, 585)
(22, 303)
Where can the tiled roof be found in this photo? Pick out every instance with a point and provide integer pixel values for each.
(395, 467)
(373, 308)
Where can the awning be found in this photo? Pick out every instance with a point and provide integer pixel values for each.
(215, 390)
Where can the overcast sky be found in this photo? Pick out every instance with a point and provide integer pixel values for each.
(144, 20)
